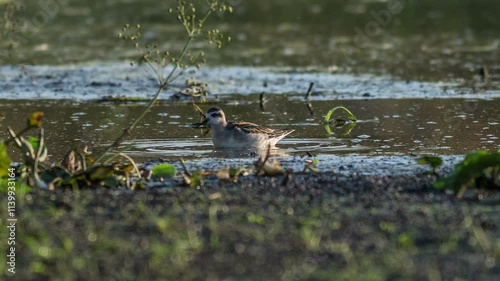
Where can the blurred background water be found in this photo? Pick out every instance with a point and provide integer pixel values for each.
(426, 39)
(453, 44)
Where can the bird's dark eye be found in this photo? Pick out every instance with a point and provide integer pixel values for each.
(216, 114)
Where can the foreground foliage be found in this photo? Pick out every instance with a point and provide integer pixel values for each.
(479, 169)
(320, 227)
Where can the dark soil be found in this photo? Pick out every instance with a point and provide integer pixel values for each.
(317, 227)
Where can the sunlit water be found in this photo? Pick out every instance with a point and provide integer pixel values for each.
(386, 126)
(424, 94)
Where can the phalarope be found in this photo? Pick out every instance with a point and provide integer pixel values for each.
(240, 135)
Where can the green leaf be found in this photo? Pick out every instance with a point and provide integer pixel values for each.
(196, 179)
(430, 160)
(329, 114)
(4, 161)
(351, 125)
(164, 171)
(473, 167)
(315, 161)
(34, 141)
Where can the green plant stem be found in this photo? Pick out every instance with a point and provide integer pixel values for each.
(191, 34)
(181, 56)
(129, 129)
(163, 85)
(18, 134)
(329, 114)
(157, 72)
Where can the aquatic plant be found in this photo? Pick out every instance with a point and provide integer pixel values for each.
(192, 15)
(340, 122)
(480, 169)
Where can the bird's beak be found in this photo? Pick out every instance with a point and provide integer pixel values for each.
(202, 123)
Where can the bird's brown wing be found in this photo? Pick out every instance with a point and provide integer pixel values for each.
(251, 128)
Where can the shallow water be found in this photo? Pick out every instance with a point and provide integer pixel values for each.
(386, 126)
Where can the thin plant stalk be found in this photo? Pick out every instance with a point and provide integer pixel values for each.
(164, 83)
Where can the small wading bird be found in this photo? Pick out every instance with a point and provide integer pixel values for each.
(240, 135)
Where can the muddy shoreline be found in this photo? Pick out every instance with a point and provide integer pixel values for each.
(317, 227)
